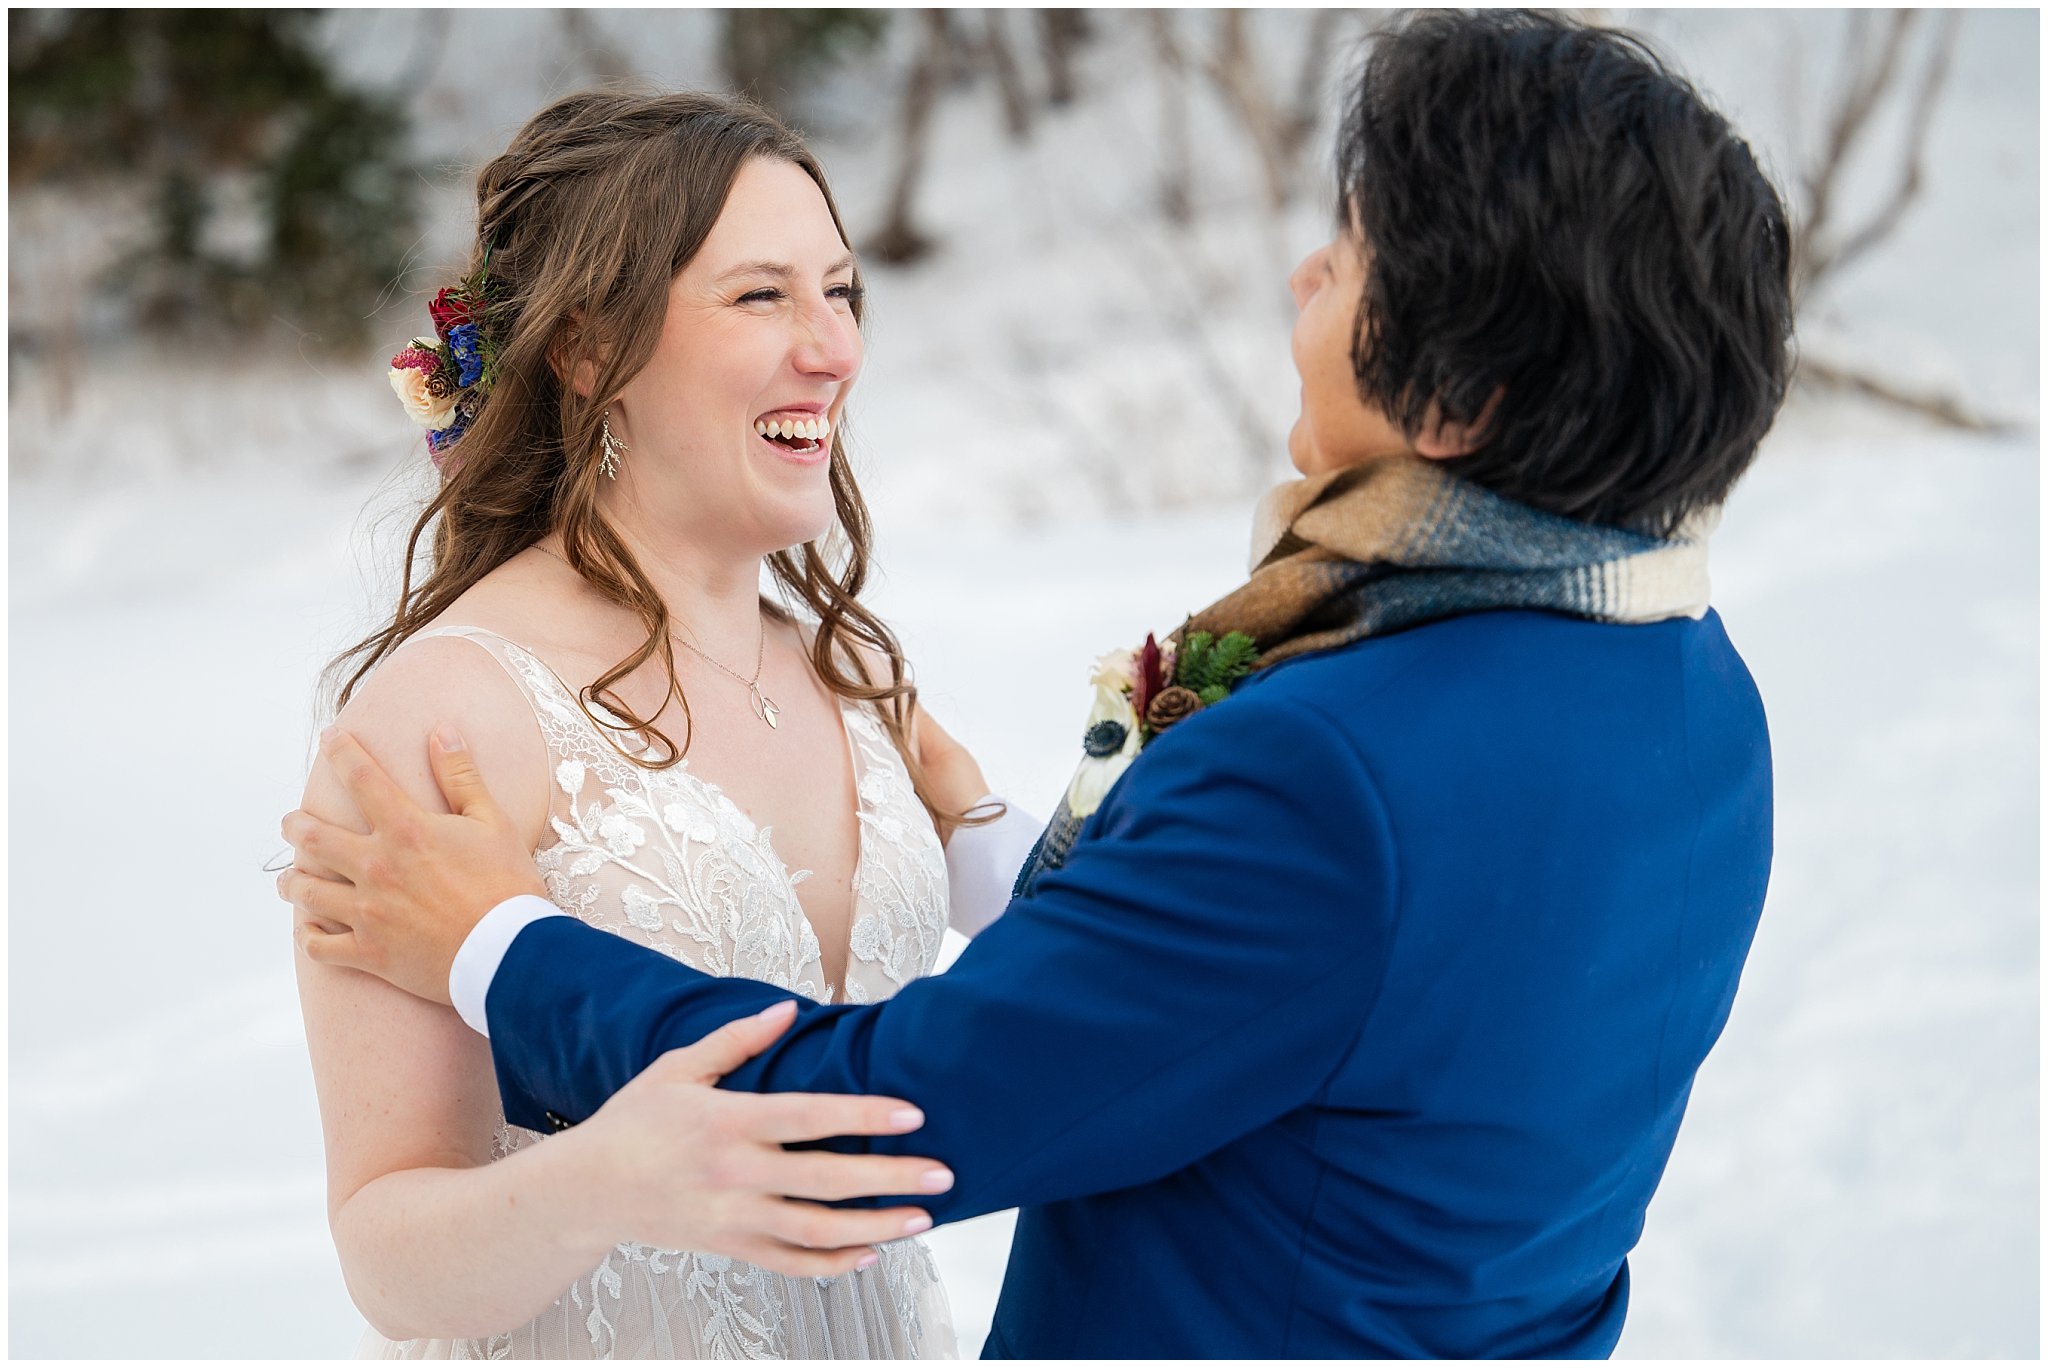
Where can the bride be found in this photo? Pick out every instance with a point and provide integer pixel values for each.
(635, 402)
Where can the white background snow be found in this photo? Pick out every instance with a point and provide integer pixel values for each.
(1052, 474)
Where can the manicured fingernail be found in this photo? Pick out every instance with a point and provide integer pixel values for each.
(328, 736)
(786, 1007)
(936, 1180)
(910, 1118)
(917, 1225)
(869, 1261)
(450, 739)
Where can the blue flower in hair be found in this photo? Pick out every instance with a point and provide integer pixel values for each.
(440, 439)
(468, 353)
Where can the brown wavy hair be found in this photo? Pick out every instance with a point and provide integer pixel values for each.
(583, 223)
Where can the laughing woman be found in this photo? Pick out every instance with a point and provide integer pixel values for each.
(634, 401)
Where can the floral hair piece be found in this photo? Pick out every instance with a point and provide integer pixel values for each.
(442, 380)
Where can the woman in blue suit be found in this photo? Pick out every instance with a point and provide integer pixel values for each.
(1360, 1016)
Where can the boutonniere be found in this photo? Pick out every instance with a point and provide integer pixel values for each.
(1143, 693)
(1138, 695)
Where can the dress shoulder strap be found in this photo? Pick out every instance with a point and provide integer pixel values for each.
(569, 732)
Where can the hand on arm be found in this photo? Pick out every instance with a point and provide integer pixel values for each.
(1199, 968)
(687, 1166)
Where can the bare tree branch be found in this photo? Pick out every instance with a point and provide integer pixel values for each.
(1280, 126)
(1868, 79)
(1886, 219)
(1821, 249)
(1233, 67)
(1315, 69)
(1943, 408)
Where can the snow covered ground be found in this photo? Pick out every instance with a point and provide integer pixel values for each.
(1858, 1175)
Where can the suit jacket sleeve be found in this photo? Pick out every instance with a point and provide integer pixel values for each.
(1200, 967)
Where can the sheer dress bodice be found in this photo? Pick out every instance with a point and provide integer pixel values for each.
(664, 858)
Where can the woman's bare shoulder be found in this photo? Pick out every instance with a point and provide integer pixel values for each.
(449, 681)
(545, 608)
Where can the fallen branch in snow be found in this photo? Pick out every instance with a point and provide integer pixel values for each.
(1949, 409)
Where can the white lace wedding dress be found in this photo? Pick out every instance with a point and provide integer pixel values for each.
(665, 859)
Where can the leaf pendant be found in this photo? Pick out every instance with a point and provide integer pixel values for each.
(763, 708)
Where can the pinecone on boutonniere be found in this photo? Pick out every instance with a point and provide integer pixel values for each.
(1170, 705)
(1205, 669)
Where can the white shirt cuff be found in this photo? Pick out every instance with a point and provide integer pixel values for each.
(982, 863)
(483, 949)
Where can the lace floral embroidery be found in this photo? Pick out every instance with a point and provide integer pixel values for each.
(665, 859)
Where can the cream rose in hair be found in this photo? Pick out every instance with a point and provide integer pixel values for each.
(422, 405)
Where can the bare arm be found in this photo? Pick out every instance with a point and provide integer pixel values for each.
(434, 1239)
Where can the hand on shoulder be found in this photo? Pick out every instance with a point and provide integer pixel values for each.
(426, 684)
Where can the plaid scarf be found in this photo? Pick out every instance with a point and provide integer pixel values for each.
(1389, 544)
(1395, 543)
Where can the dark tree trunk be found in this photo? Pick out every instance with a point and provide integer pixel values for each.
(751, 41)
(589, 48)
(1176, 163)
(1061, 32)
(898, 241)
(1002, 61)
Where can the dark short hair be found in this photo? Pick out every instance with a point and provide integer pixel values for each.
(1550, 213)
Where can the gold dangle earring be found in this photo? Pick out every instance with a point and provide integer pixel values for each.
(608, 462)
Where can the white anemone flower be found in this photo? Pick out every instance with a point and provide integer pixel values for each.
(1112, 743)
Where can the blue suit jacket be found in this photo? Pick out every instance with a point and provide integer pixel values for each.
(1360, 1021)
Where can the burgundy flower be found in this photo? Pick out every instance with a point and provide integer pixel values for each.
(1150, 677)
(449, 310)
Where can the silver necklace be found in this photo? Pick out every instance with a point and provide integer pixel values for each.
(764, 707)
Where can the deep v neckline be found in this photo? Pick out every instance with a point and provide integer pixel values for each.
(856, 905)
(859, 908)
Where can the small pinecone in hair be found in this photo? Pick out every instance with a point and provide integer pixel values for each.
(1170, 705)
(440, 384)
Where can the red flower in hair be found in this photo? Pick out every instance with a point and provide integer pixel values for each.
(449, 310)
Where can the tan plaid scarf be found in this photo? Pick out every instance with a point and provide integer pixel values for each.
(1395, 543)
